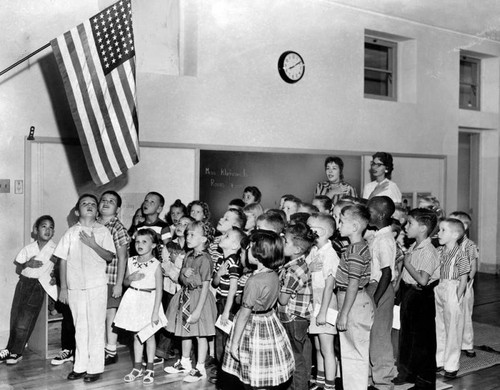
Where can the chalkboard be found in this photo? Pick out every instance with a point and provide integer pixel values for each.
(225, 174)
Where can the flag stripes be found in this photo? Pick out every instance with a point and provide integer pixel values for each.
(102, 104)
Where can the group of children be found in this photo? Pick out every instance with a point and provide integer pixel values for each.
(300, 296)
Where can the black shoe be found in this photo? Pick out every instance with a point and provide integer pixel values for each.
(110, 359)
(91, 377)
(73, 375)
(470, 354)
(371, 387)
(450, 374)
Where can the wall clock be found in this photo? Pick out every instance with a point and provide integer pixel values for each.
(291, 67)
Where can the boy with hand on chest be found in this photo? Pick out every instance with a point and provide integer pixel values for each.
(455, 268)
(84, 250)
(417, 336)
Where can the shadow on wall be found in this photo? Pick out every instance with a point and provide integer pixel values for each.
(67, 131)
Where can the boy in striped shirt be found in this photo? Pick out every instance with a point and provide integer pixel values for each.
(227, 271)
(472, 253)
(355, 317)
(454, 271)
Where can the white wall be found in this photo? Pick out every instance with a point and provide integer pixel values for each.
(236, 98)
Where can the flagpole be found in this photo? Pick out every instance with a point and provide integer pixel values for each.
(24, 59)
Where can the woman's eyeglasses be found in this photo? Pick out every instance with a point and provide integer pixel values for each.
(376, 165)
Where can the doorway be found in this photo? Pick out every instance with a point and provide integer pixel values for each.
(468, 177)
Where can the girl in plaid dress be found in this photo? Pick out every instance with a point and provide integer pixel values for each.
(259, 351)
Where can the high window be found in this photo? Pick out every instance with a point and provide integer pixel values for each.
(380, 68)
(469, 83)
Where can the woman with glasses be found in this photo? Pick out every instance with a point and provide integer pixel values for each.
(381, 168)
(335, 187)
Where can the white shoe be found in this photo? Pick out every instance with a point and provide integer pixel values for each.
(177, 368)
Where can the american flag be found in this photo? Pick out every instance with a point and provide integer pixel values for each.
(97, 63)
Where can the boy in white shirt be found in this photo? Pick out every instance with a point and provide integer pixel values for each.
(84, 250)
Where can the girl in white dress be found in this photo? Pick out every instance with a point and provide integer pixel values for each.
(141, 303)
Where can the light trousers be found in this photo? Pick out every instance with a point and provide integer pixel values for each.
(355, 341)
(88, 308)
(468, 335)
(382, 368)
(449, 325)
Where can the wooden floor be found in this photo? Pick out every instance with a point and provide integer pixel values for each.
(36, 373)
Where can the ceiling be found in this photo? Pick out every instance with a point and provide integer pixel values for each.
(474, 17)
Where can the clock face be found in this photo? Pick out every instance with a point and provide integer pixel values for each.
(291, 67)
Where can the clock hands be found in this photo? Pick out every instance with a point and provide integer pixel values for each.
(293, 66)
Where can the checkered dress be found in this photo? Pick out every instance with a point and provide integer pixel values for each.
(265, 354)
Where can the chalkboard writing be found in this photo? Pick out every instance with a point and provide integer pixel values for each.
(225, 174)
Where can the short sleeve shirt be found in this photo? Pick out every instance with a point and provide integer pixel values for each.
(43, 255)
(261, 291)
(120, 238)
(354, 264)
(234, 271)
(454, 263)
(423, 257)
(295, 280)
(383, 252)
(85, 268)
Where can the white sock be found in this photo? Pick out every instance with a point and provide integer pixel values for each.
(201, 367)
(186, 362)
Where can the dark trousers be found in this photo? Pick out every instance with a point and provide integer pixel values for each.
(220, 336)
(164, 340)
(417, 336)
(67, 327)
(26, 305)
(302, 352)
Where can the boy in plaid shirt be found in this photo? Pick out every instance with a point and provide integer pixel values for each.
(295, 299)
(109, 206)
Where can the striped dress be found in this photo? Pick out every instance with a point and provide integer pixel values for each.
(335, 191)
(265, 354)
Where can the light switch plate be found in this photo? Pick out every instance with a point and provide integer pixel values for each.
(18, 186)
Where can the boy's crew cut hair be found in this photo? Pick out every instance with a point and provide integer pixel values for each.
(360, 213)
(456, 225)
(116, 195)
(160, 197)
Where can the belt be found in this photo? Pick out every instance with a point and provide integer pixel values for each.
(262, 311)
(344, 289)
(148, 290)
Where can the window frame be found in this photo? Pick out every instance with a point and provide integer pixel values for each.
(477, 86)
(392, 67)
